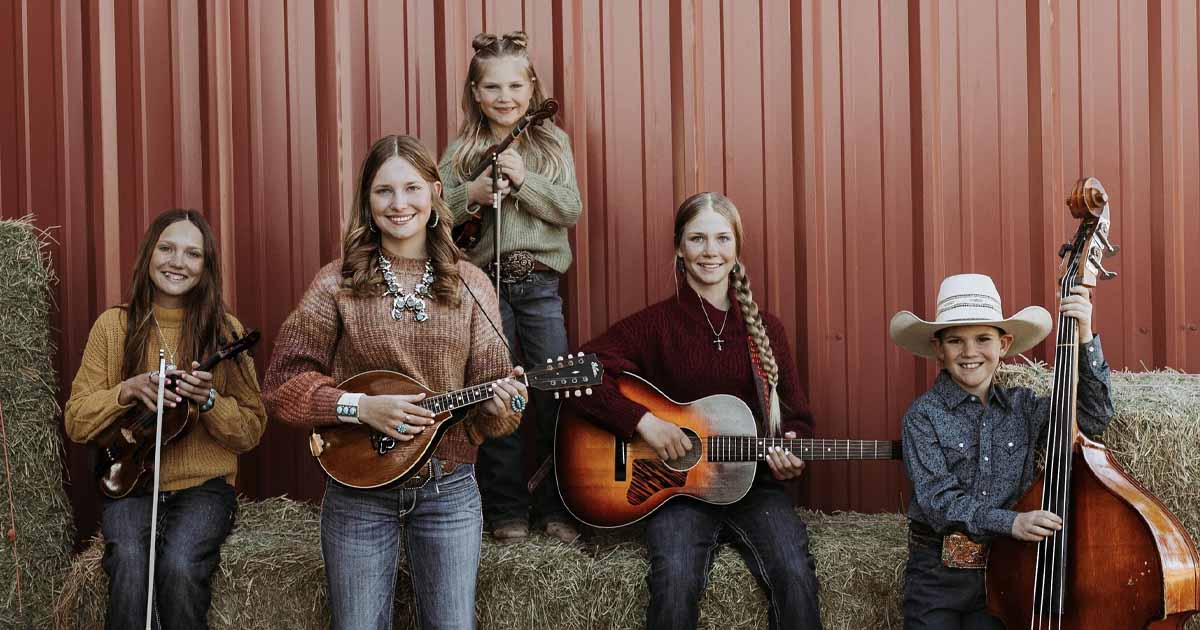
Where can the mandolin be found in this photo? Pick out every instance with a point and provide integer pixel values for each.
(608, 481)
(1121, 560)
(357, 456)
(467, 234)
(126, 447)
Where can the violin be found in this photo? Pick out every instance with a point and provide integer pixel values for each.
(467, 234)
(126, 447)
(1121, 559)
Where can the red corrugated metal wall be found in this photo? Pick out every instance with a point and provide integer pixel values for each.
(873, 147)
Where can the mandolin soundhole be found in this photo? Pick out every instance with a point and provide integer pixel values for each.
(650, 477)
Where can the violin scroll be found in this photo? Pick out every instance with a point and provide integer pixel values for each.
(1087, 198)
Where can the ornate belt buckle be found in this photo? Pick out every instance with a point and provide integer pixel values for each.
(960, 552)
(516, 266)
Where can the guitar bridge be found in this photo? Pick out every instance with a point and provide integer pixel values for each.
(382, 443)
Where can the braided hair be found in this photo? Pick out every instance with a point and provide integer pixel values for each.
(763, 357)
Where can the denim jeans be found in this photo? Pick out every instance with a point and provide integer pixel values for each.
(440, 526)
(682, 538)
(533, 322)
(192, 524)
(940, 598)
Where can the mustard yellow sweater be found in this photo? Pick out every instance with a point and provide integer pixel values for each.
(209, 449)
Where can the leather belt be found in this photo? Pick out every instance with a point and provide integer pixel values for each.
(958, 551)
(425, 473)
(516, 266)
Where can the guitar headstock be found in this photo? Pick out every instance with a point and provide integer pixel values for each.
(1083, 257)
(573, 375)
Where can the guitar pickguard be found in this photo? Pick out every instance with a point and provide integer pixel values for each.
(651, 477)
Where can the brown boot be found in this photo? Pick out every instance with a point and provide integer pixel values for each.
(562, 530)
(510, 532)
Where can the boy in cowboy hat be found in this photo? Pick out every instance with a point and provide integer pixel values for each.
(969, 443)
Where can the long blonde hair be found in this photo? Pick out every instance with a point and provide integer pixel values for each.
(757, 330)
(542, 150)
(362, 240)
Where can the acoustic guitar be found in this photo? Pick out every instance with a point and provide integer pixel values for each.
(608, 481)
(357, 456)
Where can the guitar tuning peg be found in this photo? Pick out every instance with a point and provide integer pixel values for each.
(1106, 274)
(560, 357)
(579, 355)
(555, 395)
(549, 361)
(588, 391)
(1064, 250)
(578, 393)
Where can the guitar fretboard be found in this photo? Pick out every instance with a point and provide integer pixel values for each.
(740, 448)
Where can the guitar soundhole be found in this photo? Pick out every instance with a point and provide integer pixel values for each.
(383, 444)
(689, 459)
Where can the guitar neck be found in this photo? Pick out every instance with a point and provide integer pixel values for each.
(738, 448)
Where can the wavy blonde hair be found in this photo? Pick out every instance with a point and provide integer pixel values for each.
(757, 330)
(542, 150)
(362, 241)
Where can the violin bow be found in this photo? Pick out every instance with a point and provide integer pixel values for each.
(162, 381)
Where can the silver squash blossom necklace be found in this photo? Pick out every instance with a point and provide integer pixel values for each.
(401, 301)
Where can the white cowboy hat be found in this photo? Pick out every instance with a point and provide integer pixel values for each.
(970, 299)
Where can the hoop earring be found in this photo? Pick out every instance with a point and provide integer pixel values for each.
(371, 227)
(437, 218)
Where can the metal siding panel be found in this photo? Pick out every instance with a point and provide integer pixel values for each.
(872, 148)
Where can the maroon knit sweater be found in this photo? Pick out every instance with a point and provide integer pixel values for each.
(670, 345)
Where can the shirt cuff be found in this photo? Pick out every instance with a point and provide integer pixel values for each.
(347, 408)
(1091, 356)
(998, 522)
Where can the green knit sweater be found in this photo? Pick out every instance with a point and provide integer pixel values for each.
(535, 218)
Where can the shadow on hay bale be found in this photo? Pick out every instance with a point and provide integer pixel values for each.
(28, 386)
(271, 576)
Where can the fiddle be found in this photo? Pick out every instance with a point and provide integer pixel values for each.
(467, 234)
(1121, 559)
(126, 447)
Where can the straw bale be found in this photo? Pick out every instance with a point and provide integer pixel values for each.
(28, 388)
(272, 577)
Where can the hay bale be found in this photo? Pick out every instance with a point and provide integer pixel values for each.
(272, 577)
(28, 389)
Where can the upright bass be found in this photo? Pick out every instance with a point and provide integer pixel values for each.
(1121, 560)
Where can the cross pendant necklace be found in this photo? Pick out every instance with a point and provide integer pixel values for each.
(717, 340)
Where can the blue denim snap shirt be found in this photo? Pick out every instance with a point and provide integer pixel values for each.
(969, 463)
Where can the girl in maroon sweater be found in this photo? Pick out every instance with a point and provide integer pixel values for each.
(696, 344)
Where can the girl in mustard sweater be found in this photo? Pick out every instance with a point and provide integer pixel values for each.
(174, 305)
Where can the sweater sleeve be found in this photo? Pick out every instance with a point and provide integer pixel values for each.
(93, 403)
(555, 201)
(794, 410)
(621, 349)
(298, 388)
(237, 419)
(454, 190)
(487, 359)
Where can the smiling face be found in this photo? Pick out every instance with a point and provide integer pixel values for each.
(503, 91)
(708, 247)
(177, 263)
(401, 201)
(971, 355)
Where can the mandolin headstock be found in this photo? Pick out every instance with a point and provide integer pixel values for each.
(573, 375)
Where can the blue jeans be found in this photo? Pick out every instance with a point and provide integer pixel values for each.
(682, 538)
(940, 598)
(440, 526)
(192, 524)
(533, 322)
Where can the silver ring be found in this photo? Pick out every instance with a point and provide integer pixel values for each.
(153, 374)
(518, 403)
(402, 428)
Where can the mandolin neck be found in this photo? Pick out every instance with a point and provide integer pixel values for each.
(740, 448)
